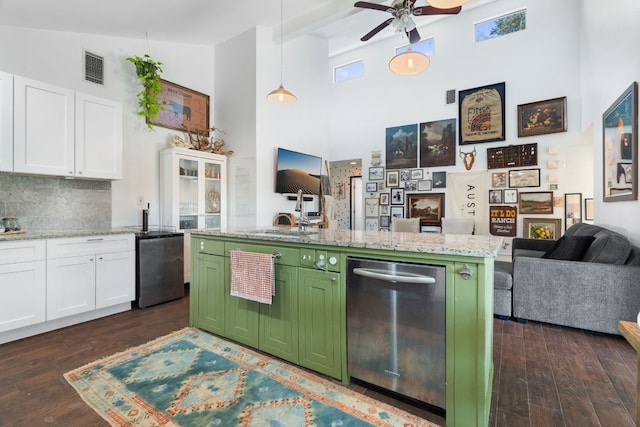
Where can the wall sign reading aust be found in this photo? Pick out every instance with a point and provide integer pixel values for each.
(503, 221)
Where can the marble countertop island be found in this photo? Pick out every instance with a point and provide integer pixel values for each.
(433, 243)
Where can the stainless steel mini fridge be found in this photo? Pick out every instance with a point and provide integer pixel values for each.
(159, 267)
(396, 327)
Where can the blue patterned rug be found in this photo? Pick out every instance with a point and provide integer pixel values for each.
(191, 378)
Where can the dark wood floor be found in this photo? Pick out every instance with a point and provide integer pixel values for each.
(544, 375)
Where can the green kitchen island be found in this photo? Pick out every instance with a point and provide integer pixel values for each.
(306, 322)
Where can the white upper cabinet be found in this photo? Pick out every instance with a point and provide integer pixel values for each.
(61, 132)
(44, 128)
(98, 137)
(6, 122)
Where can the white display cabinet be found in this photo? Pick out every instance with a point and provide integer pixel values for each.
(193, 192)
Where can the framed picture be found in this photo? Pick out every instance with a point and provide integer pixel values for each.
(397, 196)
(439, 180)
(620, 142)
(415, 174)
(543, 229)
(339, 191)
(624, 173)
(384, 199)
(498, 179)
(372, 187)
(495, 197)
(424, 185)
(519, 178)
(411, 185)
(428, 207)
(376, 173)
(384, 221)
(384, 210)
(588, 209)
(481, 114)
(438, 143)
(402, 146)
(542, 117)
(572, 209)
(397, 212)
(371, 224)
(538, 202)
(393, 178)
(510, 195)
(185, 109)
(404, 175)
(371, 207)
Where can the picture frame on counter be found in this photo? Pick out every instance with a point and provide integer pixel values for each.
(542, 117)
(428, 207)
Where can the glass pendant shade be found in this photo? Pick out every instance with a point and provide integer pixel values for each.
(409, 62)
(446, 4)
(281, 96)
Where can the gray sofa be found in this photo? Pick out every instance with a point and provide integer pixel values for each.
(594, 292)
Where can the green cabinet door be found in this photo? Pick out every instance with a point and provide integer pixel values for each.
(279, 321)
(207, 297)
(242, 315)
(319, 316)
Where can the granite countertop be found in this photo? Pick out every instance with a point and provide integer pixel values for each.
(54, 234)
(433, 243)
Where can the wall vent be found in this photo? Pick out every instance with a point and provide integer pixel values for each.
(93, 68)
(451, 96)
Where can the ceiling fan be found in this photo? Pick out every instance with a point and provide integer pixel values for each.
(401, 11)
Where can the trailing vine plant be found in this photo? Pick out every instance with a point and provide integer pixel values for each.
(149, 101)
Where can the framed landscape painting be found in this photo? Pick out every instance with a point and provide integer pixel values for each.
(428, 207)
(538, 202)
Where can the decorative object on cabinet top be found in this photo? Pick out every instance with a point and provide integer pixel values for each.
(208, 141)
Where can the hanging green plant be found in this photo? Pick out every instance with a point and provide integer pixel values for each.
(149, 101)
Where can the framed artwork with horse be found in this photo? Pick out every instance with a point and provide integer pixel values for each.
(184, 109)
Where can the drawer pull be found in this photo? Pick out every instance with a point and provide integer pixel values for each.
(97, 239)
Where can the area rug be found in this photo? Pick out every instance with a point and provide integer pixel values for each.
(192, 378)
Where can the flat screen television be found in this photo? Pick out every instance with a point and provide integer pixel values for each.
(297, 171)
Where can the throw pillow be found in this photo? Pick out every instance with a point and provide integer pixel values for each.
(569, 248)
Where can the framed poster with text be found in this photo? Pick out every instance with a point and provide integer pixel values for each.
(481, 114)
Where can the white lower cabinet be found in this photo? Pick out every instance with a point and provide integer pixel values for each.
(22, 284)
(89, 273)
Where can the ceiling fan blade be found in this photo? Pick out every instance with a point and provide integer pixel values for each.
(414, 36)
(376, 30)
(374, 6)
(430, 10)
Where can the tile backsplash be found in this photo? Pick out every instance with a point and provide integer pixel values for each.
(50, 204)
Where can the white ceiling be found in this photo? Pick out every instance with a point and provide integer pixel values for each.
(207, 22)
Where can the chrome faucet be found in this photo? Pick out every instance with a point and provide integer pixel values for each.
(303, 221)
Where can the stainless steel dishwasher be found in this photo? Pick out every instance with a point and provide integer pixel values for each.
(396, 327)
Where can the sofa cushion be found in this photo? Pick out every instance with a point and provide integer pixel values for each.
(502, 278)
(583, 229)
(527, 252)
(570, 248)
(608, 247)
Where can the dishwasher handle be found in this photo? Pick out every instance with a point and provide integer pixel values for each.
(374, 273)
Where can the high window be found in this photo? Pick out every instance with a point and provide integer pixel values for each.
(423, 46)
(348, 71)
(501, 25)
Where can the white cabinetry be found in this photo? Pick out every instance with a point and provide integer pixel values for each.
(22, 283)
(193, 192)
(60, 132)
(6, 122)
(88, 273)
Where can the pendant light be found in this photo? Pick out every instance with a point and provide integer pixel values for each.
(446, 4)
(409, 62)
(281, 95)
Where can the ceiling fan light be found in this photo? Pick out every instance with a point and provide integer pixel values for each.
(409, 63)
(446, 4)
(281, 96)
